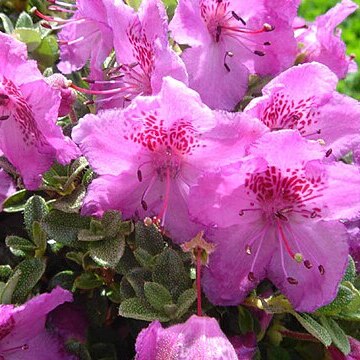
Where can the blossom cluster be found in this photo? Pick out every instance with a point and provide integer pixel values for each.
(175, 142)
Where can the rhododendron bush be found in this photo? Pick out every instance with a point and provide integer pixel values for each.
(177, 181)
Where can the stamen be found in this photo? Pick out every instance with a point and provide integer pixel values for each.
(230, 54)
(307, 264)
(60, 9)
(259, 53)
(248, 249)
(166, 199)
(238, 18)
(144, 205)
(268, 27)
(61, 3)
(321, 269)
(267, 43)
(251, 276)
(4, 117)
(139, 175)
(284, 240)
(328, 153)
(292, 280)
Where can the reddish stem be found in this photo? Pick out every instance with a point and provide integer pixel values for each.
(298, 335)
(198, 280)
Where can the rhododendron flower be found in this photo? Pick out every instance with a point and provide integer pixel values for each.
(321, 41)
(276, 215)
(149, 154)
(229, 37)
(353, 228)
(69, 321)
(143, 52)
(22, 329)
(305, 98)
(29, 136)
(7, 187)
(199, 338)
(85, 35)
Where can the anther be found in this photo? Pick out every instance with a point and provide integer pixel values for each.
(307, 264)
(328, 153)
(298, 257)
(321, 269)
(238, 18)
(248, 249)
(144, 205)
(241, 212)
(292, 281)
(218, 33)
(268, 27)
(267, 43)
(46, 25)
(313, 215)
(352, 56)
(259, 53)
(89, 102)
(139, 175)
(251, 276)
(4, 117)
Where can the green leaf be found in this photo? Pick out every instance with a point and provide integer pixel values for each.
(39, 236)
(137, 278)
(126, 263)
(135, 4)
(87, 281)
(185, 301)
(350, 273)
(148, 238)
(30, 37)
(138, 309)
(343, 298)
(7, 24)
(337, 334)
(47, 53)
(24, 21)
(71, 203)
(35, 209)
(31, 272)
(65, 279)
(9, 288)
(88, 235)
(5, 272)
(245, 320)
(314, 328)
(111, 222)
(64, 227)
(78, 349)
(170, 272)
(157, 295)
(108, 252)
(19, 243)
(170, 6)
(144, 258)
(16, 202)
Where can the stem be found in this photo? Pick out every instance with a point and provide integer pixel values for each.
(298, 335)
(198, 280)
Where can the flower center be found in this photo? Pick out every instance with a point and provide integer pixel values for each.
(280, 198)
(222, 22)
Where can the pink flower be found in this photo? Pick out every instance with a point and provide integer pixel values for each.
(142, 52)
(321, 40)
(229, 37)
(199, 338)
(22, 329)
(305, 98)
(29, 136)
(276, 215)
(86, 35)
(148, 155)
